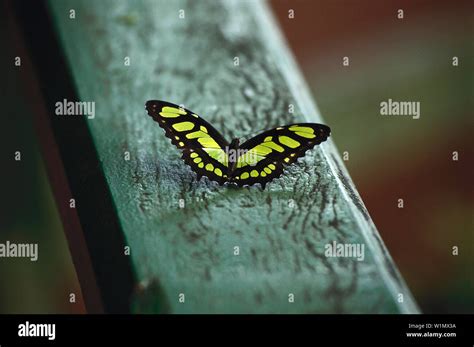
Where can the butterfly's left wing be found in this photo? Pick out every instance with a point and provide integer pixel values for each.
(269, 152)
(204, 148)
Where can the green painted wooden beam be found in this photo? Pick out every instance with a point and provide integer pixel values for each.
(281, 232)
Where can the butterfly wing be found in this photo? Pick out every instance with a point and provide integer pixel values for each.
(268, 153)
(203, 146)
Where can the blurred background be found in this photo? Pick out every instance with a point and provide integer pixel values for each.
(390, 157)
(28, 213)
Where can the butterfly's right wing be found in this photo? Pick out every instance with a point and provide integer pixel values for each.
(204, 148)
(269, 152)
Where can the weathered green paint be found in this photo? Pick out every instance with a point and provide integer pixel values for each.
(281, 232)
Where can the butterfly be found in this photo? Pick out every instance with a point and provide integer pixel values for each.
(258, 160)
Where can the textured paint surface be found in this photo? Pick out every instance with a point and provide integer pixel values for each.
(182, 232)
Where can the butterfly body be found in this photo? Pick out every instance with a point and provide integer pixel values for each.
(258, 160)
(233, 159)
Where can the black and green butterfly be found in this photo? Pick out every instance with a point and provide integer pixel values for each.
(258, 160)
